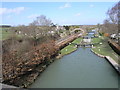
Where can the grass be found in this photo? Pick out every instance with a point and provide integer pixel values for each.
(96, 40)
(70, 48)
(77, 41)
(4, 34)
(105, 49)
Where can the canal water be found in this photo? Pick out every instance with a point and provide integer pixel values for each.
(80, 69)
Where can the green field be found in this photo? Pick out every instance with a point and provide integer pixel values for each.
(4, 33)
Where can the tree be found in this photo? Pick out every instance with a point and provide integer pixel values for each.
(42, 21)
(42, 27)
(110, 24)
(113, 13)
(67, 27)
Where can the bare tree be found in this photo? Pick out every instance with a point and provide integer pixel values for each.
(110, 25)
(113, 13)
(42, 21)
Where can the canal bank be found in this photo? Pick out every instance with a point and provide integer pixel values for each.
(80, 69)
(38, 71)
(69, 48)
(110, 60)
(103, 49)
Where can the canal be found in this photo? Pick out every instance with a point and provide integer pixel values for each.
(80, 69)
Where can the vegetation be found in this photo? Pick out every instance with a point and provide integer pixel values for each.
(26, 47)
(78, 40)
(20, 60)
(4, 33)
(96, 40)
(104, 48)
(67, 27)
(70, 48)
(111, 24)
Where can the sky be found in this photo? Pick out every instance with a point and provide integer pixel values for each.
(61, 13)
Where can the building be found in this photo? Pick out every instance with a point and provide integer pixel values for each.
(87, 39)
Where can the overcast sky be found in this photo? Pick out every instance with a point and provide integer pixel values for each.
(62, 13)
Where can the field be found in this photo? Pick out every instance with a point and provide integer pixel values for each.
(4, 33)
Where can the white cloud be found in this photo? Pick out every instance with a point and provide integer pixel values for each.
(67, 5)
(33, 16)
(78, 14)
(16, 10)
(91, 5)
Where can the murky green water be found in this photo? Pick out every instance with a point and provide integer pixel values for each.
(80, 69)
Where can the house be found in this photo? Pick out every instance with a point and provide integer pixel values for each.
(113, 36)
(59, 28)
(87, 39)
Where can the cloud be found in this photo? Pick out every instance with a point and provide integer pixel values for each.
(78, 14)
(91, 5)
(16, 10)
(33, 16)
(67, 5)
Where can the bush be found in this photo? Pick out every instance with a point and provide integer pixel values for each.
(106, 34)
(20, 56)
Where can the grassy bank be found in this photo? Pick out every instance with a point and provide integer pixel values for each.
(77, 41)
(70, 48)
(104, 48)
(101, 48)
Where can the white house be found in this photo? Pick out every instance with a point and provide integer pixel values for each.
(113, 35)
(87, 39)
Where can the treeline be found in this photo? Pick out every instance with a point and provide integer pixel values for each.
(5, 26)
